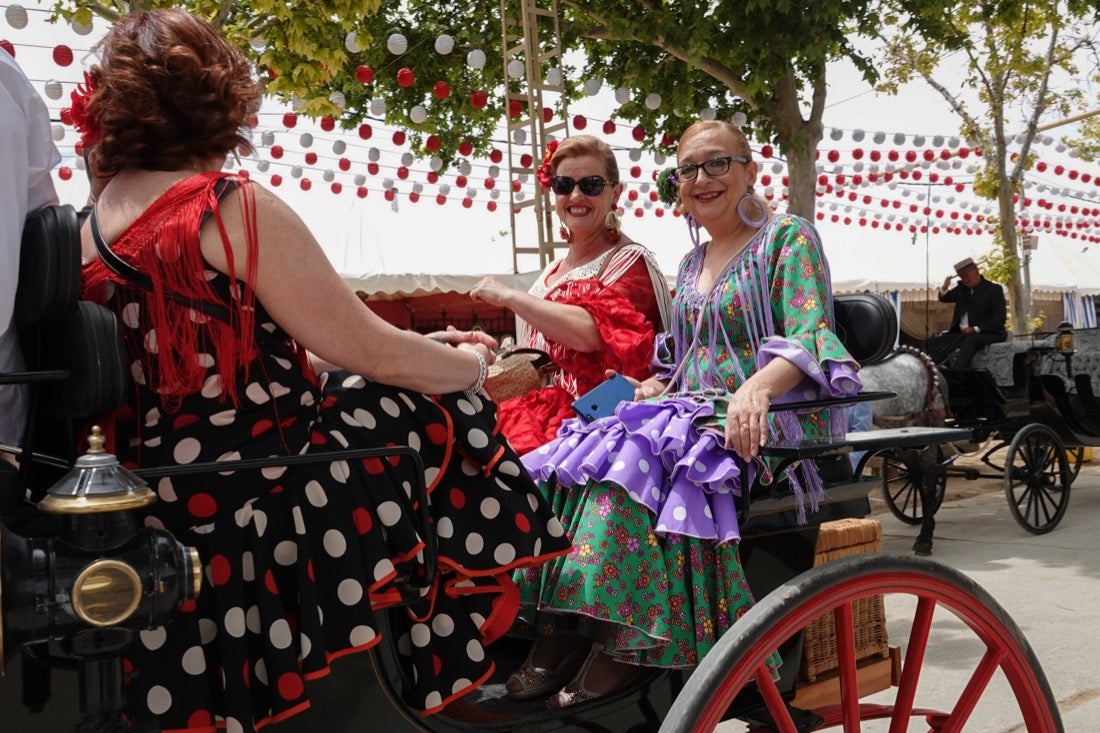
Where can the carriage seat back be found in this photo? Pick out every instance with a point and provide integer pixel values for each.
(867, 324)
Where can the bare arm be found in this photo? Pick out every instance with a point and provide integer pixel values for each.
(303, 294)
(569, 325)
(746, 418)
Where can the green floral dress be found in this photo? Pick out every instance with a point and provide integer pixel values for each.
(648, 494)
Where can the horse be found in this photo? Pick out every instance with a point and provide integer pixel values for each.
(921, 399)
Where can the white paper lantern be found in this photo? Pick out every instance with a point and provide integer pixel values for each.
(899, 138)
(953, 142)
(79, 163)
(777, 168)
(553, 77)
(359, 179)
(397, 44)
(81, 29)
(267, 138)
(262, 166)
(339, 146)
(418, 187)
(522, 178)
(338, 100)
(918, 140)
(16, 15)
(444, 44)
(879, 138)
(635, 154)
(652, 100)
(659, 158)
(708, 113)
(494, 194)
(418, 114)
(520, 195)
(476, 59)
(258, 44)
(407, 159)
(328, 176)
(592, 87)
(516, 69)
(305, 139)
(444, 188)
(296, 171)
(228, 165)
(519, 136)
(57, 131)
(436, 163)
(387, 183)
(373, 155)
(471, 193)
(739, 119)
(622, 95)
(494, 171)
(836, 133)
(857, 135)
(53, 89)
(378, 107)
(297, 103)
(937, 141)
(464, 168)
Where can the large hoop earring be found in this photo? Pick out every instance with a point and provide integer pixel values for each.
(612, 222)
(746, 200)
(565, 233)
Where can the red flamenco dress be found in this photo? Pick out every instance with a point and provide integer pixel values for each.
(299, 561)
(626, 295)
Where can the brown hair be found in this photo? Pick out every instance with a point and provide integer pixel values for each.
(742, 142)
(169, 90)
(579, 146)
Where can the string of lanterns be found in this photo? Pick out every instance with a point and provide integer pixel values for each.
(875, 160)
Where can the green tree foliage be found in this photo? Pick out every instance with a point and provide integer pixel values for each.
(1006, 69)
(765, 58)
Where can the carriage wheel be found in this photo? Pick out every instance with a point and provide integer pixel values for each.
(1076, 456)
(739, 657)
(1037, 478)
(901, 478)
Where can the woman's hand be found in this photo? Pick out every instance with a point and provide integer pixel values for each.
(487, 351)
(491, 290)
(651, 387)
(747, 419)
(454, 337)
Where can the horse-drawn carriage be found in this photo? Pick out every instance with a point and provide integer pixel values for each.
(1030, 426)
(80, 578)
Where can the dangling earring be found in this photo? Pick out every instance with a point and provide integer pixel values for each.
(749, 198)
(565, 233)
(612, 222)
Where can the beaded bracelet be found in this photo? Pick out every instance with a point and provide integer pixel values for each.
(483, 372)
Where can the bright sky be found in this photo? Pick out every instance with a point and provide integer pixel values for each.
(373, 235)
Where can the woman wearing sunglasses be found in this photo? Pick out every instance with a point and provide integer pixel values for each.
(647, 495)
(594, 310)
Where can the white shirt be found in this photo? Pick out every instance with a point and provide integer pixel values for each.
(28, 155)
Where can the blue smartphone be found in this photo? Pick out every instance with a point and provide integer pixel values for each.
(604, 398)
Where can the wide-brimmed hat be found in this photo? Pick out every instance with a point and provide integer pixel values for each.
(963, 264)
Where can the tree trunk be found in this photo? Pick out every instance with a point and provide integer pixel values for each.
(1017, 297)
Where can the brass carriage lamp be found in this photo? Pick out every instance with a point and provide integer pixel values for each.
(1064, 344)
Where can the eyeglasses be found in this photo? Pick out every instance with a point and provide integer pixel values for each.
(714, 167)
(589, 185)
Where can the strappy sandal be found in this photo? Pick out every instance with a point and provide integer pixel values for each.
(530, 682)
(575, 692)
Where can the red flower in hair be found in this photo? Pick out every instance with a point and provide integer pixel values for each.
(82, 121)
(543, 173)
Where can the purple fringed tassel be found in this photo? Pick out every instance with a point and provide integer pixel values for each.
(810, 483)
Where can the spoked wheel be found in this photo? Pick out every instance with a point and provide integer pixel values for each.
(741, 653)
(901, 479)
(1076, 456)
(1037, 478)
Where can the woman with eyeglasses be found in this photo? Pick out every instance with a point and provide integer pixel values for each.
(648, 495)
(596, 309)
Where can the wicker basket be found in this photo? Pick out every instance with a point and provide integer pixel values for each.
(843, 538)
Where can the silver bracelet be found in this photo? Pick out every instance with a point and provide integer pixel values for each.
(483, 372)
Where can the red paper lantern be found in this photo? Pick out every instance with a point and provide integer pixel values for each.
(62, 55)
(361, 192)
(479, 99)
(344, 164)
(467, 202)
(389, 194)
(402, 172)
(857, 153)
(311, 158)
(659, 213)
(516, 186)
(432, 143)
(580, 122)
(515, 108)
(64, 173)
(372, 168)
(405, 77)
(276, 179)
(7, 46)
(276, 151)
(929, 155)
(399, 137)
(608, 128)
(638, 133)
(364, 74)
(632, 195)
(496, 156)
(491, 206)
(667, 140)
(305, 184)
(336, 187)
(441, 90)
(490, 183)
(525, 160)
(365, 131)
(433, 177)
(253, 120)
(414, 197)
(767, 151)
(327, 123)
(460, 181)
(547, 114)
(289, 119)
(638, 213)
(465, 148)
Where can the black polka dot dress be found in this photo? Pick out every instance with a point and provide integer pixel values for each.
(300, 561)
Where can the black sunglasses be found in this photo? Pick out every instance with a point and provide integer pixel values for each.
(590, 185)
(714, 167)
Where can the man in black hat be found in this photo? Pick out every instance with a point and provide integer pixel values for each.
(978, 319)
